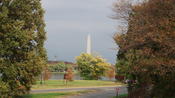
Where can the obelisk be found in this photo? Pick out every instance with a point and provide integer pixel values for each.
(88, 51)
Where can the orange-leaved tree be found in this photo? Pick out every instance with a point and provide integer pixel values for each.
(68, 76)
(110, 73)
(148, 47)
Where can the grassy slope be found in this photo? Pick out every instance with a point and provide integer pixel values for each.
(51, 84)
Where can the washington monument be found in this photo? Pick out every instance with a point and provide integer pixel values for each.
(88, 44)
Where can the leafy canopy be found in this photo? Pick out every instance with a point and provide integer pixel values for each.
(148, 47)
(22, 52)
(91, 67)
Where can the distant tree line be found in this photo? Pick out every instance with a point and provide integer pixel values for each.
(59, 67)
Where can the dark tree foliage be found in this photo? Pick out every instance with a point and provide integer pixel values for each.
(22, 37)
(148, 47)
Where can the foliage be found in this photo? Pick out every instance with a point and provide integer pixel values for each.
(68, 76)
(148, 47)
(60, 67)
(45, 75)
(91, 67)
(110, 73)
(3, 89)
(122, 68)
(22, 54)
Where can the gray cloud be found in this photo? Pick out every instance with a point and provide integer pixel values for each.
(68, 23)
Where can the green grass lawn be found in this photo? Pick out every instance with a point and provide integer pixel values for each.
(46, 95)
(121, 96)
(53, 84)
(54, 95)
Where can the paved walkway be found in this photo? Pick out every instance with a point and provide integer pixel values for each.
(100, 92)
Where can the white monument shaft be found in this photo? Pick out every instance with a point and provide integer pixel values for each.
(88, 44)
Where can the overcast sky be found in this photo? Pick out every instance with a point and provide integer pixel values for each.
(68, 22)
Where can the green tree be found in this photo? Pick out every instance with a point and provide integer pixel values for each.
(91, 67)
(148, 47)
(22, 52)
(122, 68)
